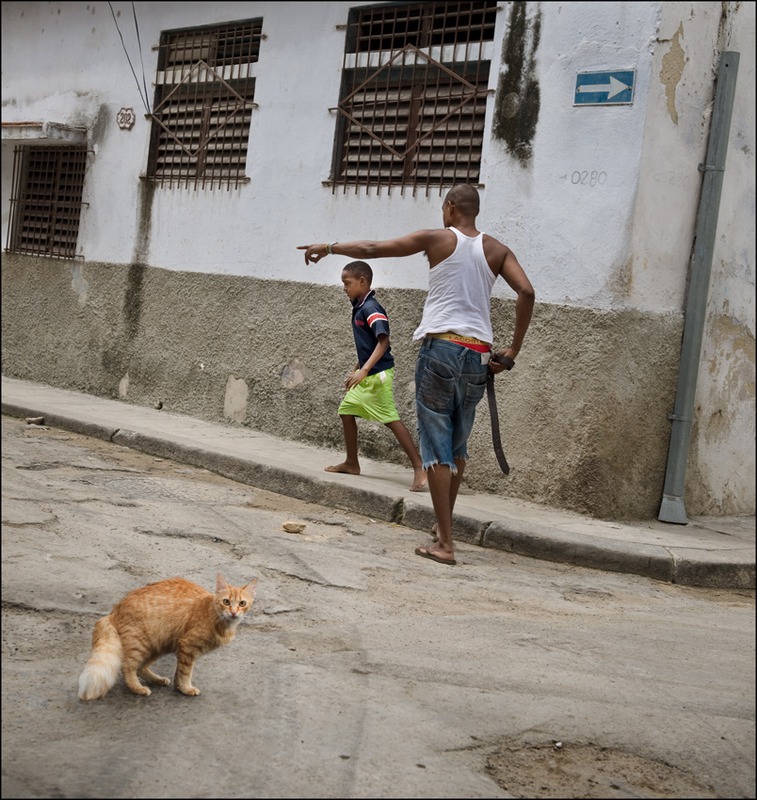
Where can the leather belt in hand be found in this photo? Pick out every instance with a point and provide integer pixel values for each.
(508, 363)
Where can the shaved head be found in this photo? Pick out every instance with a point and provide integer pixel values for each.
(466, 198)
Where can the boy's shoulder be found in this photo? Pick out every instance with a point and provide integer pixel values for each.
(373, 303)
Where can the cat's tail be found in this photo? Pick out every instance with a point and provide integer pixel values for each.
(101, 671)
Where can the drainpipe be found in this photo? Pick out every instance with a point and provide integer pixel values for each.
(672, 508)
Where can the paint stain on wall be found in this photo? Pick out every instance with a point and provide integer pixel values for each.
(235, 399)
(671, 72)
(732, 361)
(79, 284)
(621, 279)
(295, 374)
(516, 106)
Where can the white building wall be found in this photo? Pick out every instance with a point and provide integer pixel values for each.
(568, 214)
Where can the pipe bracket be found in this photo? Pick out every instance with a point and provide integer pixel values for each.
(710, 168)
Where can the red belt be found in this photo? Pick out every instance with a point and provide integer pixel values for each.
(466, 341)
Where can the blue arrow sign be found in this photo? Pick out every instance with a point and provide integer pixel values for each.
(612, 88)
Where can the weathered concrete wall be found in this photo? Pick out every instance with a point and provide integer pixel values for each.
(585, 428)
(721, 465)
(176, 295)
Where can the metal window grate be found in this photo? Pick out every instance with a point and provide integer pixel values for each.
(414, 90)
(203, 105)
(46, 200)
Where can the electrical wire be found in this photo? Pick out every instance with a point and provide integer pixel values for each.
(123, 44)
(139, 44)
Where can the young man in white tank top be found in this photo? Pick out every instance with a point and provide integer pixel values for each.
(457, 337)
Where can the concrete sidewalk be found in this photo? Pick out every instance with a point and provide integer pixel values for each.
(716, 552)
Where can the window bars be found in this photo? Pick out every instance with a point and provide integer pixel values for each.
(203, 105)
(46, 199)
(413, 100)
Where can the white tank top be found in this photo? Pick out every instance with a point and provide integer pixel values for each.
(459, 292)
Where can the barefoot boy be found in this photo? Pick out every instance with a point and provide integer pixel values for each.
(370, 392)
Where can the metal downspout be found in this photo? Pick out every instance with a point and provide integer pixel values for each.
(672, 508)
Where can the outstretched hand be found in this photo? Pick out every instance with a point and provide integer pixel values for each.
(314, 252)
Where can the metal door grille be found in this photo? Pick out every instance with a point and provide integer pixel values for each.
(46, 199)
(203, 105)
(414, 90)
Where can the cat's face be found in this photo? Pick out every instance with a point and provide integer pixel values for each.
(233, 602)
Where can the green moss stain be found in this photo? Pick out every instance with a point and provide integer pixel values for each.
(516, 106)
(133, 299)
(144, 221)
(134, 283)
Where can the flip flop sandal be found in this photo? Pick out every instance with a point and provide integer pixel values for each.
(424, 553)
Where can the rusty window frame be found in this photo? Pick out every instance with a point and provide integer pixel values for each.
(204, 97)
(47, 192)
(413, 98)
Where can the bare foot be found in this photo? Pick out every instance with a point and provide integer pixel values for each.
(345, 468)
(419, 480)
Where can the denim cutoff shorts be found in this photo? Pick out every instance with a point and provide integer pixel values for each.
(450, 381)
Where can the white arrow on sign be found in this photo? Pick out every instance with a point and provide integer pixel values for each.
(612, 88)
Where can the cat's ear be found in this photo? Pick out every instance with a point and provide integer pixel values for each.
(251, 585)
(221, 585)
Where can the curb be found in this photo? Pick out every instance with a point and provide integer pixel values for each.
(520, 537)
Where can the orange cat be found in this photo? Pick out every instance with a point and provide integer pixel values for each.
(171, 616)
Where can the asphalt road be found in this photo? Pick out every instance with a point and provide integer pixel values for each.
(364, 671)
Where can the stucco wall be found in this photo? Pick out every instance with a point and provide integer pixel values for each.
(194, 299)
(540, 155)
(583, 427)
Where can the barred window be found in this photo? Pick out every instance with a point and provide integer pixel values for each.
(204, 95)
(46, 199)
(413, 99)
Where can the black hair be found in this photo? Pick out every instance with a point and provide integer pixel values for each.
(359, 269)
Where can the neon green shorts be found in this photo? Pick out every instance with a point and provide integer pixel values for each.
(372, 398)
